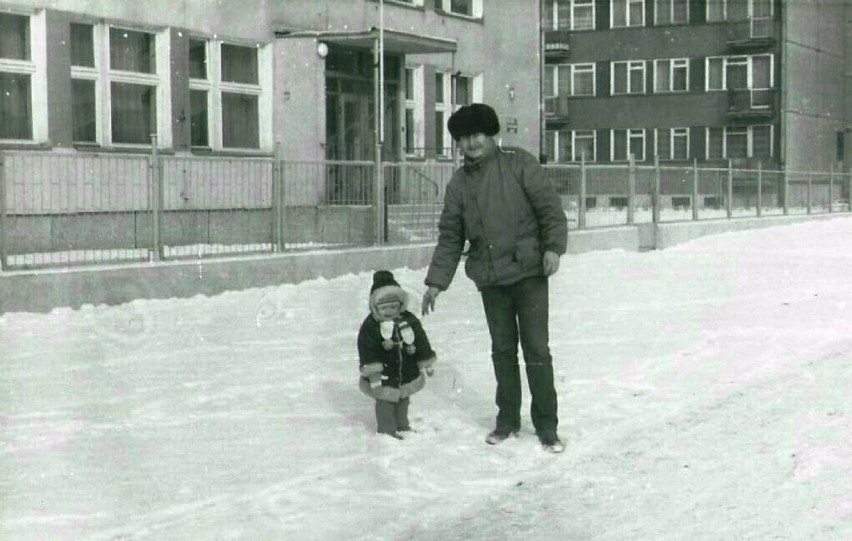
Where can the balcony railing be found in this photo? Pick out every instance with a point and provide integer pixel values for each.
(556, 108)
(756, 33)
(751, 102)
(556, 44)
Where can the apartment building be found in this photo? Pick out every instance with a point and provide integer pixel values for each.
(750, 81)
(247, 78)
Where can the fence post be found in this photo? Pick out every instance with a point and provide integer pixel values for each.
(831, 189)
(631, 190)
(277, 200)
(785, 189)
(581, 207)
(655, 196)
(809, 195)
(695, 189)
(156, 195)
(759, 189)
(729, 208)
(3, 260)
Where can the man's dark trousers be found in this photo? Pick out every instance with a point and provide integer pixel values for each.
(520, 311)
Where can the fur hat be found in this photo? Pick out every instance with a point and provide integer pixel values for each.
(386, 289)
(473, 118)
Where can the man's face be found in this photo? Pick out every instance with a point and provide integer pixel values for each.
(475, 146)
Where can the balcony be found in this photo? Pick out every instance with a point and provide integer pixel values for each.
(556, 109)
(750, 104)
(756, 34)
(556, 45)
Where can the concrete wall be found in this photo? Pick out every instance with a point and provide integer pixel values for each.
(115, 285)
(299, 122)
(814, 50)
(346, 225)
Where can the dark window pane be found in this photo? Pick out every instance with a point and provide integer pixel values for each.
(131, 51)
(439, 88)
(198, 118)
(134, 110)
(15, 107)
(197, 59)
(14, 37)
(82, 45)
(462, 6)
(83, 110)
(239, 64)
(463, 91)
(439, 131)
(239, 121)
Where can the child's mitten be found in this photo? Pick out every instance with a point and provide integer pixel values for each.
(407, 337)
(373, 372)
(426, 365)
(386, 328)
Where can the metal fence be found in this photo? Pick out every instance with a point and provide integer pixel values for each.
(69, 209)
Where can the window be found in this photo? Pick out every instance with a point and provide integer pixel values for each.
(671, 75)
(464, 91)
(229, 98)
(715, 10)
(673, 143)
(671, 12)
(442, 98)
(117, 75)
(840, 144)
(583, 145)
(625, 13)
(23, 78)
(414, 111)
(739, 72)
(570, 15)
(625, 143)
(628, 77)
(468, 8)
(736, 10)
(569, 80)
(740, 142)
(571, 145)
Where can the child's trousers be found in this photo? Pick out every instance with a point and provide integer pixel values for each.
(392, 417)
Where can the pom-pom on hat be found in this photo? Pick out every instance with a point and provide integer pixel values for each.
(386, 289)
(473, 118)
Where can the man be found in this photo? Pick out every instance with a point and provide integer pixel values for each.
(512, 217)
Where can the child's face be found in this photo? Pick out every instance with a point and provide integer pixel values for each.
(389, 309)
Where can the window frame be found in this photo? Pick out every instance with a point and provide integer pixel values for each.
(476, 8)
(572, 7)
(749, 133)
(216, 87)
(673, 64)
(672, 134)
(749, 63)
(630, 65)
(416, 104)
(671, 21)
(628, 21)
(36, 69)
(630, 134)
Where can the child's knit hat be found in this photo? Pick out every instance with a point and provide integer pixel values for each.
(386, 289)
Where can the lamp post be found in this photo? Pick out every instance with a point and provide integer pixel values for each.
(379, 129)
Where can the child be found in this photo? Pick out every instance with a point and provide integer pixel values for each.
(393, 353)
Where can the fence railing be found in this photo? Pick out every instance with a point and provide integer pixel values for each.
(596, 195)
(77, 209)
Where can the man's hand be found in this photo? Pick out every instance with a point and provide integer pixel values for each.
(428, 304)
(550, 262)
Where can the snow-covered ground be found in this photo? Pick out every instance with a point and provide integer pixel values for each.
(705, 394)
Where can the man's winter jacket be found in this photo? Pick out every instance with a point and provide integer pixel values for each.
(510, 213)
